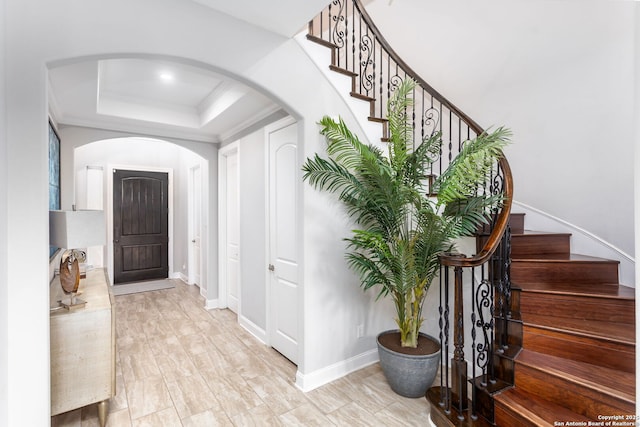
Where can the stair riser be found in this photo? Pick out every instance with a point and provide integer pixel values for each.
(504, 416)
(513, 332)
(526, 245)
(564, 272)
(516, 222)
(588, 308)
(575, 397)
(582, 349)
(504, 368)
(515, 302)
(484, 404)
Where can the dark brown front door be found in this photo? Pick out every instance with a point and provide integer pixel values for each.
(140, 225)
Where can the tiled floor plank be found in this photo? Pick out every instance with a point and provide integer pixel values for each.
(181, 365)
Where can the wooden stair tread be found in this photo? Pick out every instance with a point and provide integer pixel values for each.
(600, 290)
(539, 233)
(362, 97)
(535, 409)
(343, 71)
(600, 379)
(609, 331)
(321, 41)
(575, 258)
(377, 119)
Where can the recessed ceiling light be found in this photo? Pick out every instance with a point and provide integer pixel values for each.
(166, 77)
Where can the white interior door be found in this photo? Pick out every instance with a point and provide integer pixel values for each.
(195, 216)
(283, 241)
(232, 250)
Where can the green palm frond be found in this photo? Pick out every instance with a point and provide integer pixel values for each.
(401, 231)
(328, 175)
(418, 163)
(400, 129)
(464, 216)
(471, 167)
(345, 147)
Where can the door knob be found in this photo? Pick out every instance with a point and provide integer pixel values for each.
(272, 267)
(193, 241)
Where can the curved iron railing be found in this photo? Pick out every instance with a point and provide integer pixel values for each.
(359, 50)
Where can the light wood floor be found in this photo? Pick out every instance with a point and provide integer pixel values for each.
(181, 365)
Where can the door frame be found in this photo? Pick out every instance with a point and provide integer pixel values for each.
(191, 196)
(109, 212)
(223, 154)
(273, 127)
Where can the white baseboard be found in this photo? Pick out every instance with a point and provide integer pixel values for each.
(313, 380)
(179, 275)
(211, 304)
(253, 329)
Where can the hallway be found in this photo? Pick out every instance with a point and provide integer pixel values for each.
(181, 365)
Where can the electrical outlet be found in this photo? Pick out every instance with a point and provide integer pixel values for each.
(359, 331)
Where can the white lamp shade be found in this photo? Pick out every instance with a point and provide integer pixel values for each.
(76, 229)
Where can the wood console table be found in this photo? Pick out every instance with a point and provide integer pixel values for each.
(83, 356)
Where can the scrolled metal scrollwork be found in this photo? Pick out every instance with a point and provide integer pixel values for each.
(366, 63)
(506, 271)
(339, 32)
(394, 82)
(497, 182)
(431, 119)
(484, 302)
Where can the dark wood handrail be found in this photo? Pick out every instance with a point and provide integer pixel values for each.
(502, 221)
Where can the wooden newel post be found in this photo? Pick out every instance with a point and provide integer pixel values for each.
(458, 364)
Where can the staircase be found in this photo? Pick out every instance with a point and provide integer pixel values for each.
(575, 326)
(564, 348)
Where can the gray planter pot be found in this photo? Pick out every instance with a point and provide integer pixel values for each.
(409, 375)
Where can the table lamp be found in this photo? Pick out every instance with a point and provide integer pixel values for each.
(73, 231)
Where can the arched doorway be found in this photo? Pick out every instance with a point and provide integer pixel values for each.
(103, 157)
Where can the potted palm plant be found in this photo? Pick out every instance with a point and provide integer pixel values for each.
(401, 227)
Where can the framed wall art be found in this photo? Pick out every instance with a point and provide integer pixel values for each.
(54, 174)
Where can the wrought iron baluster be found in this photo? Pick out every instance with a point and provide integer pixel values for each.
(413, 119)
(445, 355)
(483, 297)
(473, 344)
(459, 364)
(329, 19)
(381, 102)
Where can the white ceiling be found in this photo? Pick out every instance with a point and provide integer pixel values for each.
(171, 99)
(284, 17)
(155, 97)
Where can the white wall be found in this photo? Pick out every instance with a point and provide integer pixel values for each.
(333, 303)
(559, 74)
(169, 29)
(4, 244)
(253, 228)
(27, 328)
